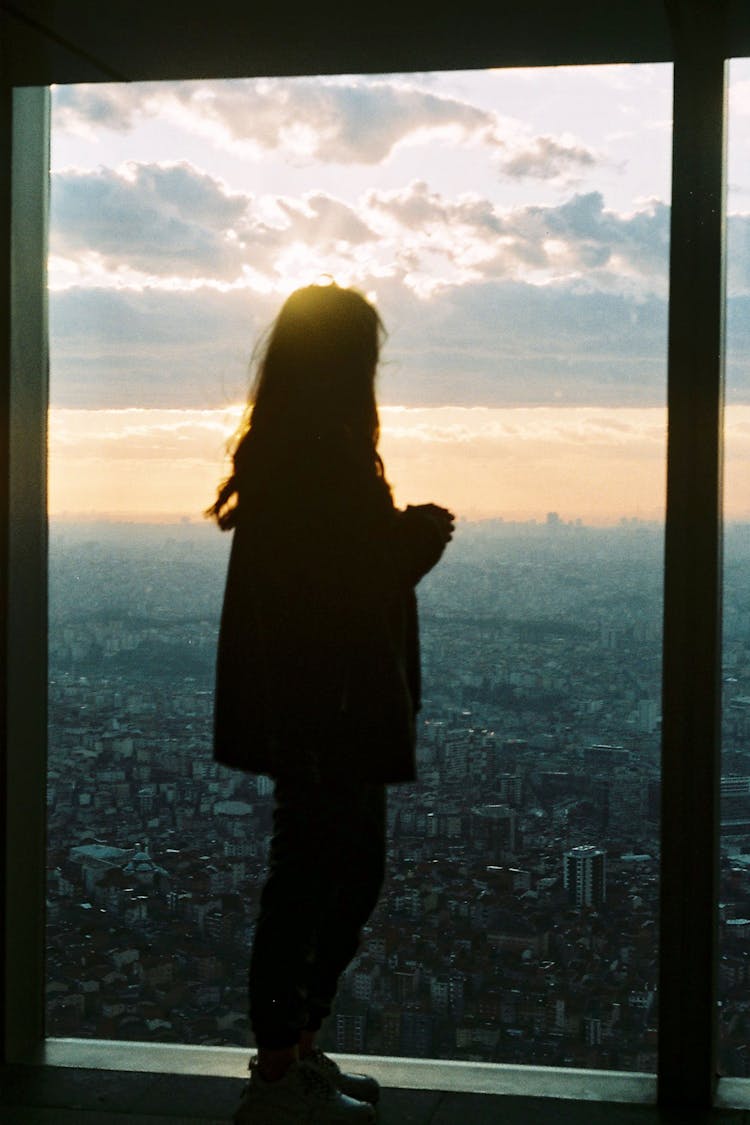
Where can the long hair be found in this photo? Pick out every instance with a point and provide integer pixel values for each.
(315, 377)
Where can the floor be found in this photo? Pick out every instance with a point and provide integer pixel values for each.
(65, 1096)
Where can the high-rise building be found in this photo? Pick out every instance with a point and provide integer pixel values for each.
(585, 875)
(351, 1031)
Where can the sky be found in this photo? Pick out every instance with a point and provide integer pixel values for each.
(511, 226)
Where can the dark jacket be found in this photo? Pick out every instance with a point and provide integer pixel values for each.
(318, 656)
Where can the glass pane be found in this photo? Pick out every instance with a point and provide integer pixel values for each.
(735, 783)
(513, 229)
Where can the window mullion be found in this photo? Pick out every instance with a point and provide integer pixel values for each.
(692, 594)
(26, 637)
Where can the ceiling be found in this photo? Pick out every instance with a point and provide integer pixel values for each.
(46, 41)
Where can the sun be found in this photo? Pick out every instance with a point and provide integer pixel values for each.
(300, 264)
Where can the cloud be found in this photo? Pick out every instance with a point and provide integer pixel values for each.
(355, 122)
(562, 303)
(155, 219)
(577, 239)
(738, 349)
(175, 222)
(571, 425)
(491, 343)
(343, 121)
(509, 343)
(144, 434)
(545, 158)
(152, 348)
(417, 207)
(481, 461)
(321, 221)
(137, 462)
(581, 236)
(738, 255)
(340, 120)
(172, 221)
(495, 343)
(85, 110)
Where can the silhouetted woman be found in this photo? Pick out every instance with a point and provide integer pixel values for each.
(317, 677)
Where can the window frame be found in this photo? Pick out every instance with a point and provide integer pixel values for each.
(705, 35)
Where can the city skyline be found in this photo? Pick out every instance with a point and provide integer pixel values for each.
(538, 733)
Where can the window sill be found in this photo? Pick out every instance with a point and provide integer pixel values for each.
(413, 1074)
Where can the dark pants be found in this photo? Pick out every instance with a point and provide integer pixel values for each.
(326, 869)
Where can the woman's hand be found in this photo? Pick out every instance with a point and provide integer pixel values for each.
(440, 518)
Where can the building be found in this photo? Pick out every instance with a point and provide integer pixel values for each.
(496, 826)
(585, 875)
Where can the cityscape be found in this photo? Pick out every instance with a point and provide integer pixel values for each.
(519, 918)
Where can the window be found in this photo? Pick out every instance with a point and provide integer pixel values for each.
(735, 841)
(686, 1061)
(516, 242)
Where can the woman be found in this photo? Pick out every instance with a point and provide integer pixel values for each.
(317, 677)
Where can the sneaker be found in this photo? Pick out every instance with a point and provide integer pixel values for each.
(360, 1086)
(304, 1096)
